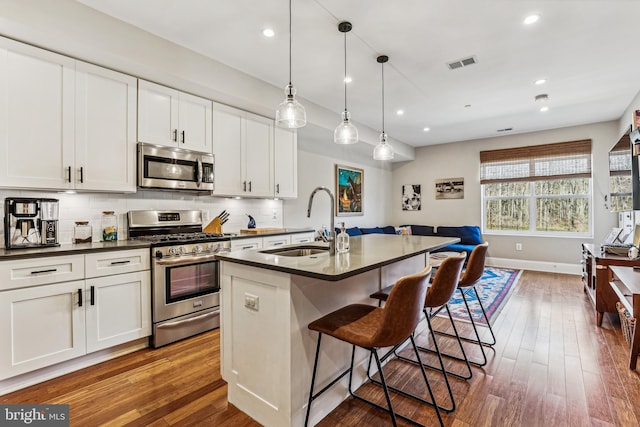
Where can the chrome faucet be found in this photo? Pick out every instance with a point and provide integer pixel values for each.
(332, 230)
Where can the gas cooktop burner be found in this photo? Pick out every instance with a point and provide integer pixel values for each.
(181, 237)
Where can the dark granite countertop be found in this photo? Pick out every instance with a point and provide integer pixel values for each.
(366, 253)
(71, 249)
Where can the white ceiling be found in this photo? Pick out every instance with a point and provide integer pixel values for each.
(586, 49)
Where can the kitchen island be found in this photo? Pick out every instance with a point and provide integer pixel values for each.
(269, 299)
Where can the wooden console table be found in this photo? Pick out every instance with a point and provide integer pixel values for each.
(626, 286)
(596, 275)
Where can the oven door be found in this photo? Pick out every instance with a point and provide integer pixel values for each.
(172, 168)
(184, 286)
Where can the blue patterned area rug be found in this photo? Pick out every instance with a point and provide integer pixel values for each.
(494, 288)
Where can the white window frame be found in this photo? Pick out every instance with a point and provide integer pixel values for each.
(532, 197)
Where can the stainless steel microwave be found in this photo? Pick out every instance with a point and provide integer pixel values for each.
(169, 168)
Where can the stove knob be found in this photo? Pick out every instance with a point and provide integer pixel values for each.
(182, 250)
(158, 254)
(173, 251)
(197, 249)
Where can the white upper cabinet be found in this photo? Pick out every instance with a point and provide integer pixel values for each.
(105, 129)
(243, 149)
(286, 163)
(36, 117)
(258, 147)
(169, 117)
(64, 124)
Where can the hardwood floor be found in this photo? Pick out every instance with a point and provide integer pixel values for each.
(552, 366)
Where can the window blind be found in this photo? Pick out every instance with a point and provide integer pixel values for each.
(548, 161)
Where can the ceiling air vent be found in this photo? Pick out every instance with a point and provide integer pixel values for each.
(505, 130)
(464, 62)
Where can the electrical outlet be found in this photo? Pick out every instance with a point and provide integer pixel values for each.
(251, 302)
(518, 246)
(275, 215)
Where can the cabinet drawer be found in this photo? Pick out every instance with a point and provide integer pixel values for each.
(116, 262)
(275, 241)
(302, 237)
(40, 271)
(244, 244)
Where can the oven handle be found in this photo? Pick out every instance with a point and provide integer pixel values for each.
(185, 261)
(190, 320)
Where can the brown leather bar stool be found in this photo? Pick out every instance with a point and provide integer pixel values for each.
(466, 286)
(371, 328)
(439, 293)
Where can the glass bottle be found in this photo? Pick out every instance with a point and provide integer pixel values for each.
(342, 243)
(109, 226)
(82, 232)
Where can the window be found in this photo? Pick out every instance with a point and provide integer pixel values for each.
(543, 189)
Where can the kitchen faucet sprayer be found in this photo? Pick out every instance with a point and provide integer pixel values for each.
(332, 230)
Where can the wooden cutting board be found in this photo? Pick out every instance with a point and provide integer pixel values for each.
(262, 230)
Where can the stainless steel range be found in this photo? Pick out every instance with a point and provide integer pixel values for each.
(185, 275)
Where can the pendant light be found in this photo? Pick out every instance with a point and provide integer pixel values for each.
(383, 151)
(290, 113)
(346, 132)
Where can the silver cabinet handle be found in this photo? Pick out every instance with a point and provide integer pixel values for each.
(277, 188)
(244, 185)
(182, 137)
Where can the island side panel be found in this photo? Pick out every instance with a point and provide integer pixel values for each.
(255, 344)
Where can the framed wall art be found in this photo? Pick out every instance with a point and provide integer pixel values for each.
(449, 188)
(349, 190)
(411, 197)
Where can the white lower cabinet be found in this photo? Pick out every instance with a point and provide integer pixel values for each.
(118, 309)
(54, 308)
(275, 241)
(303, 237)
(245, 244)
(40, 326)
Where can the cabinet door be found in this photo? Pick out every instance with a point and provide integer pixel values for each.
(227, 137)
(194, 119)
(105, 130)
(118, 309)
(36, 117)
(157, 114)
(40, 326)
(258, 155)
(286, 163)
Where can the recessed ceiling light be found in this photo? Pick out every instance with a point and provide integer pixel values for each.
(545, 108)
(268, 32)
(531, 19)
(348, 79)
(541, 81)
(400, 112)
(426, 129)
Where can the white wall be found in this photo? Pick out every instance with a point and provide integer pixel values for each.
(462, 159)
(317, 157)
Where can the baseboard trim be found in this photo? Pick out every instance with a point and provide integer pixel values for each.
(521, 264)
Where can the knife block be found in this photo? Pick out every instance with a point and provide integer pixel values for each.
(214, 227)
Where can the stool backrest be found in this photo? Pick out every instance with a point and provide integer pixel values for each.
(475, 266)
(403, 309)
(446, 281)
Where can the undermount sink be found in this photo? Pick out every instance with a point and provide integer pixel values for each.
(297, 251)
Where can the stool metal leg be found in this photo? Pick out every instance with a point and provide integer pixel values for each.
(313, 380)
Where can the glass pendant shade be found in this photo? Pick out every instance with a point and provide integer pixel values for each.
(383, 151)
(346, 132)
(290, 113)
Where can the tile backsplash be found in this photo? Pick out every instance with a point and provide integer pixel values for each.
(89, 207)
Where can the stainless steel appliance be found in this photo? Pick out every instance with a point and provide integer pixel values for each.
(170, 168)
(30, 222)
(185, 275)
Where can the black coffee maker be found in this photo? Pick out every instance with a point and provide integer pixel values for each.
(30, 222)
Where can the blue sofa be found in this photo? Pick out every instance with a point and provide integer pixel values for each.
(469, 235)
